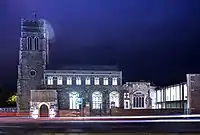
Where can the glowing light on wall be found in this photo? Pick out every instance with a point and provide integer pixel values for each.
(35, 114)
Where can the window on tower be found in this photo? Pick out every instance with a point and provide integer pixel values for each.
(36, 43)
(29, 43)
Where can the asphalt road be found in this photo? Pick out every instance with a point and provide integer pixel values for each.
(30, 126)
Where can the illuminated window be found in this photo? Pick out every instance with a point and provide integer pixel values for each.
(162, 95)
(178, 93)
(126, 95)
(69, 80)
(167, 94)
(59, 80)
(73, 97)
(78, 81)
(138, 100)
(96, 81)
(114, 81)
(97, 100)
(114, 97)
(87, 81)
(172, 93)
(105, 81)
(50, 80)
(185, 92)
(158, 96)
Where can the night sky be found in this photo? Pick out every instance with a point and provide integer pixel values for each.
(156, 40)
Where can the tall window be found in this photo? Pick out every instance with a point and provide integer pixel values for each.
(167, 94)
(177, 93)
(158, 95)
(69, 80)
(162, 95)
(138, 100)
(59, 80)
(29, 43)
(185, 92)
(96, 81)
(114, 81)
(36, 43)
(78, 81)
(73, 98)
(172, 93)
(114, 97)
(50, 80)
(97, 100)
(87, 81)
(105, 81)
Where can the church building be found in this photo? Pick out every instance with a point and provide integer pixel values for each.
(42, 90)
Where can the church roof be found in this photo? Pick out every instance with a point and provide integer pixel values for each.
(90, 67)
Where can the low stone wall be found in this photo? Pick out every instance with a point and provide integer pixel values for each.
(144, 112)
(69, 113)
(195, 111)
(114, 112)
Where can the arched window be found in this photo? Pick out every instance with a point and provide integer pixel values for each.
(138, 100)
(114, 97)
(96, 100)
(73, 97)
(29, 43)
(36, 43)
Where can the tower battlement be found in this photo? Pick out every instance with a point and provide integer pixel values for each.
(32, 23)
(28, 25)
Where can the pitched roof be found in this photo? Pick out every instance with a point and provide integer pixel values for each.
(90, 67)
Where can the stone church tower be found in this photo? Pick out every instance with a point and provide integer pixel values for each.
(33, 57)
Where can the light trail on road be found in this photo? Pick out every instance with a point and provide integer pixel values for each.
(170, 118)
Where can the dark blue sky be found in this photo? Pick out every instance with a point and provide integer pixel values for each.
(155, 40)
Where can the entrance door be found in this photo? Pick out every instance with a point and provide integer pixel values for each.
(44, 111)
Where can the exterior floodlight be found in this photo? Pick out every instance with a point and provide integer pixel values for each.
(52, 114)
(35, 114)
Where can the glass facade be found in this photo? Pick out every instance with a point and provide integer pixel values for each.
(172, 96)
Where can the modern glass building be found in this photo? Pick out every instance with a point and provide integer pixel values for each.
(174, 96)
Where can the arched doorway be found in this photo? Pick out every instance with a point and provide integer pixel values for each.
(44, 111)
